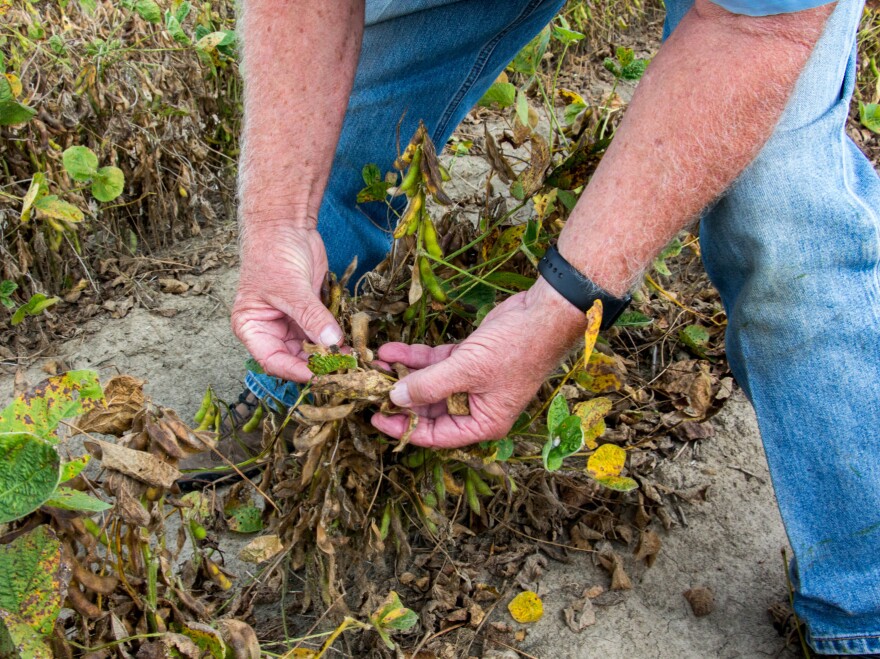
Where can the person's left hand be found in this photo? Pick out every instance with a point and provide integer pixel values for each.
(501, 366)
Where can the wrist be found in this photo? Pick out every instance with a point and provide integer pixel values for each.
(567, 321)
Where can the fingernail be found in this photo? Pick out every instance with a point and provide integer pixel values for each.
(400, 395)
(330, 336)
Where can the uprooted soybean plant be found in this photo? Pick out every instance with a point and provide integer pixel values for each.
(102, 555)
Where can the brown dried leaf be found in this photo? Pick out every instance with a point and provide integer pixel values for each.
(173, 286)
(137, 464)
(496, 159)
(240, 638)
(701, 599)
(580, 615)
(261, 549)
(649, 547)
(124, 396)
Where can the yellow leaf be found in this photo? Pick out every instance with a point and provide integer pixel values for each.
(526, 607)
(592, 414)
(570, 97)
(14, 84)
(594, 322)
(601, 375)
(301, 653)
(608, 460)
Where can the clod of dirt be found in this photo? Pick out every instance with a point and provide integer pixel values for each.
(701, 599)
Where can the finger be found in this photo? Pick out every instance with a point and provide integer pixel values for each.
(305, 309)
(277, 357)
(442, 432)
(414, 356)
(433, 384)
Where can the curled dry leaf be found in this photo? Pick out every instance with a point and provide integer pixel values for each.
(124, 397)
(701, 599)
(261, 549)
(173, 286)
(580, 615)
(139, 465)
(240, 638)
(649, 547)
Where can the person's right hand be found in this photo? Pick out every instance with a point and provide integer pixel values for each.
(278, 303)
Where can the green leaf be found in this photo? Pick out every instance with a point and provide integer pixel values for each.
(210, 41)
(70, 499)
(566, 36)
(633, 319)
(60, 397)
(80, 162)
(556, 414)
(529, 58)
(522, 424)
(522, 108)
(56, 43)
(52, 206)
(501, 93)
(18, 640)
(29, 474)
(88, 6)
(511, 280)
(572, 110)
(392, 615)
(869, 116)
(7, 288)
(504, 449)
(612, 65)
(696, 338)
(108, 184)
(183, 11)
(73, 468)
(568, 198)
(13, 113)
(376, 187)
(567, 440)
(33, 579)
(172, 24)
(33, 307)
(148, 10)
(245, 519)
(635, 70)
(253, 366)
(324, 364)
(478, 295)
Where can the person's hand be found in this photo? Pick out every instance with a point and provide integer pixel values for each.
(501, 366)
(278, 302)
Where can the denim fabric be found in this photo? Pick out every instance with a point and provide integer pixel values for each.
(793, 247)
(274, 392)
(768, 7)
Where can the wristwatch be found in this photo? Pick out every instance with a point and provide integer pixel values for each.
(577, 289)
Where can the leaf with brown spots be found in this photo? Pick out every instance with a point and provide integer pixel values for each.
(34, 579)
(60, 397)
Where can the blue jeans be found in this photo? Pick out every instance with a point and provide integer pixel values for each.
(793, 246)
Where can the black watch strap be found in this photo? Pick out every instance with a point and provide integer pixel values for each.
(579, 290)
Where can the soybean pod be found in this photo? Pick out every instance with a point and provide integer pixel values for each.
(430, 281)
(429, 235)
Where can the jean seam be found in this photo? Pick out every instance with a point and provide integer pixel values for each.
(872, 216)
(480, 65)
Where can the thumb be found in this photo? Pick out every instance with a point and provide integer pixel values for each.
(432, 384)
(307, 311)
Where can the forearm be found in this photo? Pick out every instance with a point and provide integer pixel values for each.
(299, 60)
(709, 101)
